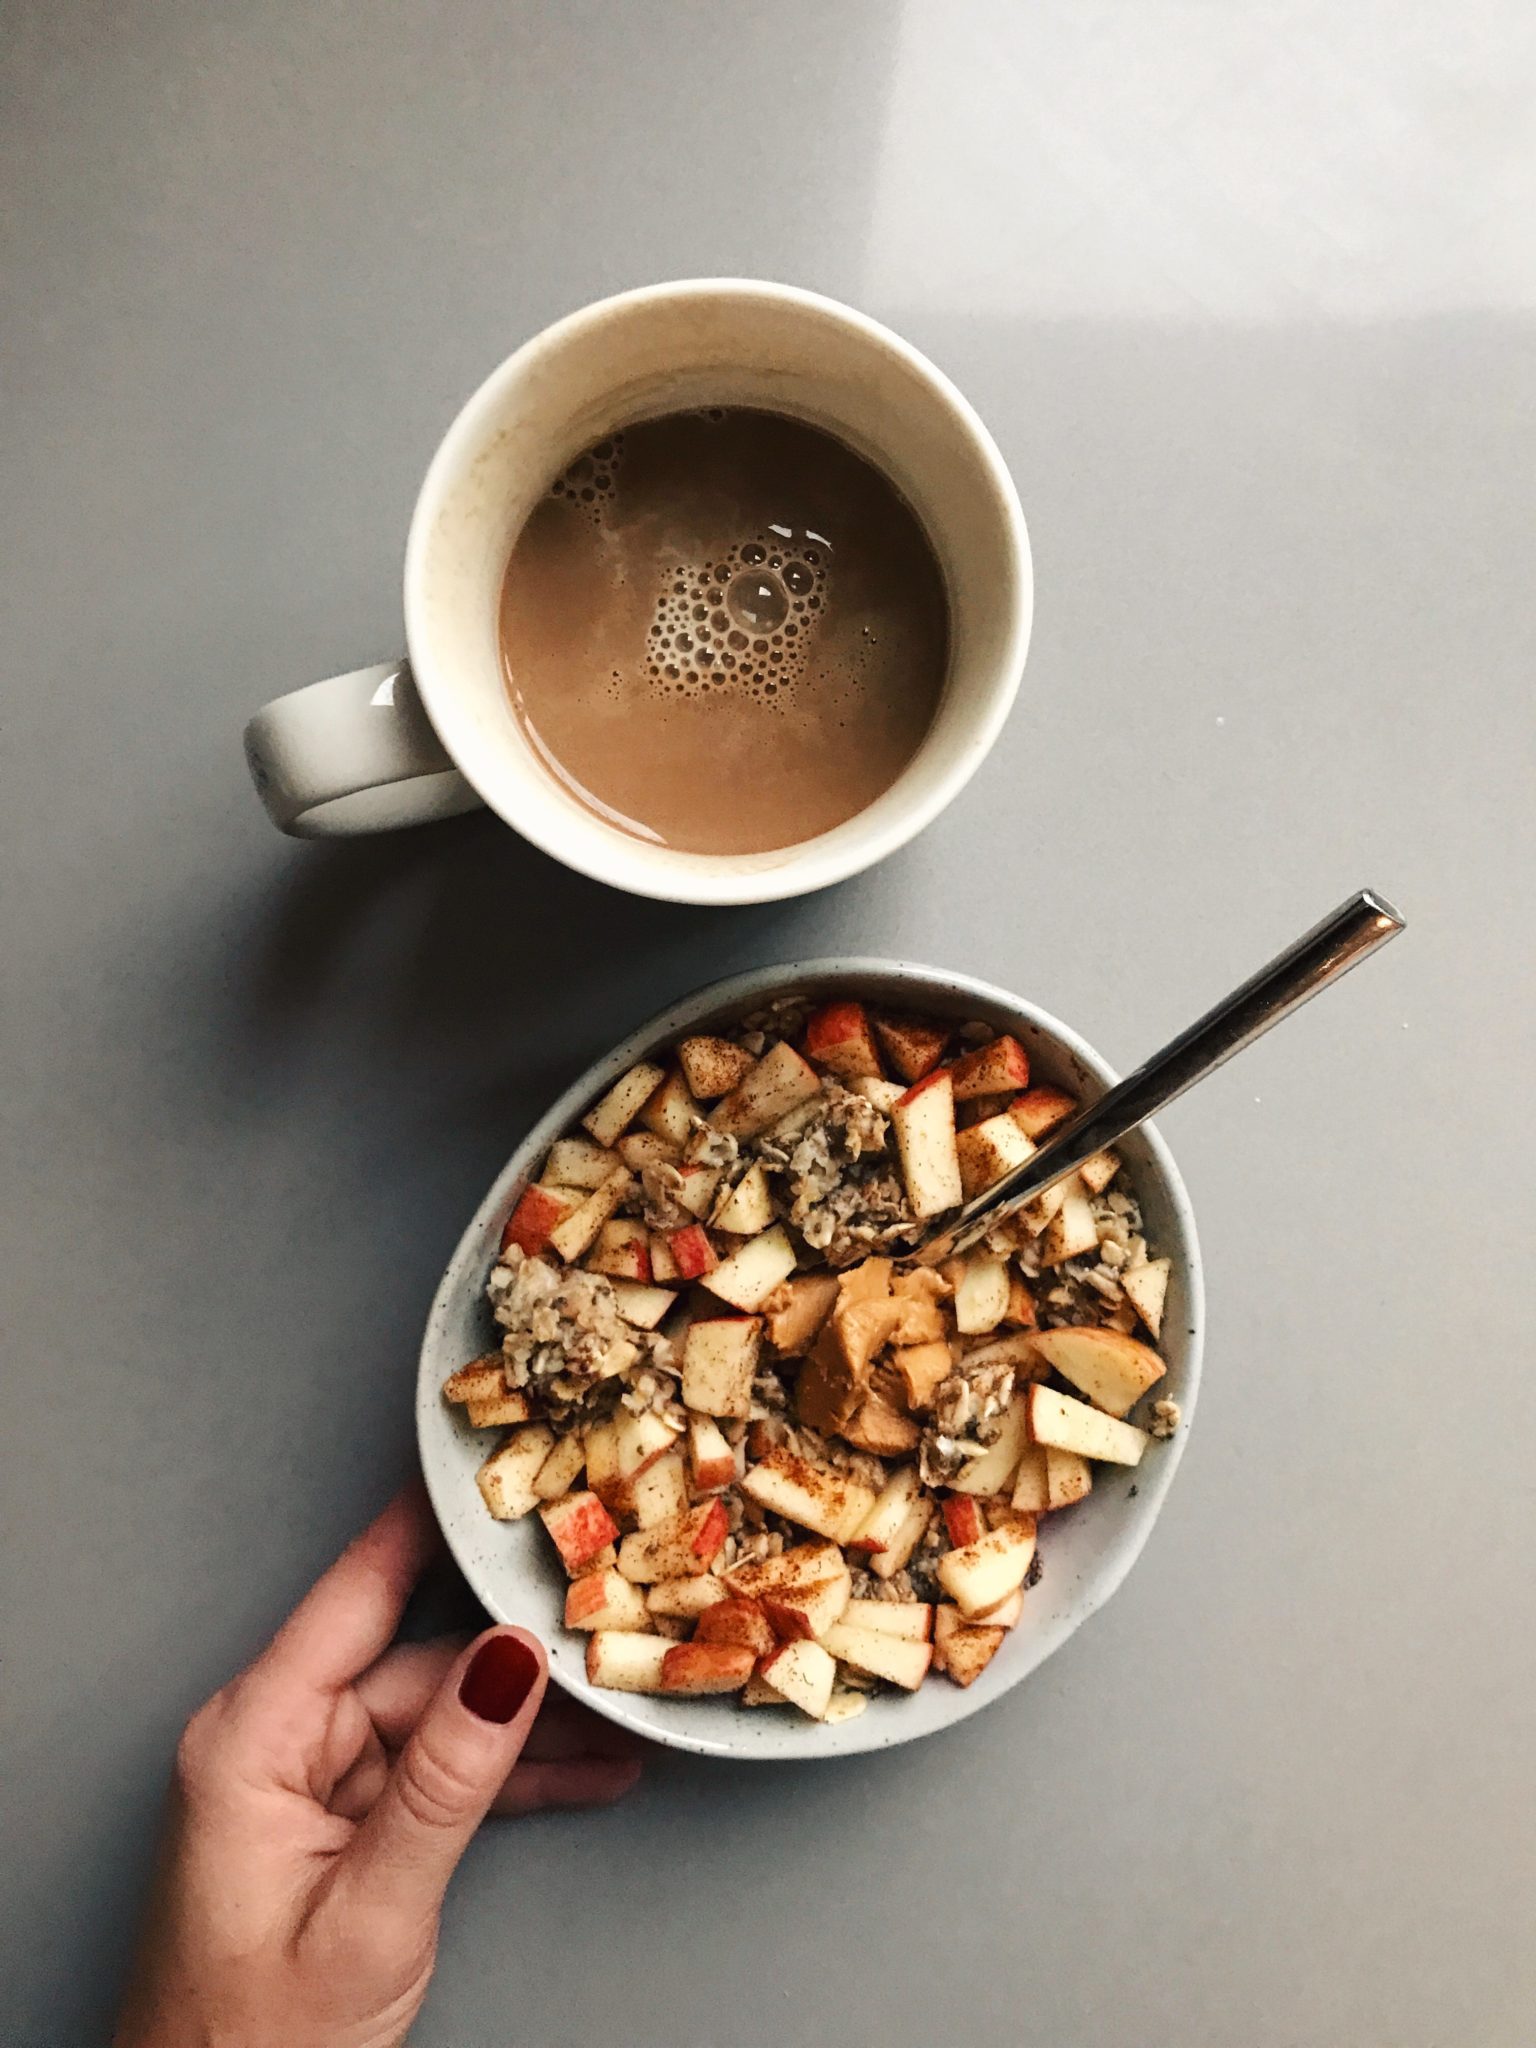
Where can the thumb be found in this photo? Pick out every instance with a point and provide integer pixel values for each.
(442, 1786)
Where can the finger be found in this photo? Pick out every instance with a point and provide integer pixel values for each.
(582, 1781)
(350, 1615)
(400, 1860)
(397, 1689)
(354, 1794)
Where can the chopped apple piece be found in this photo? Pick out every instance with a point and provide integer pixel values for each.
(642, 1306)
(571, 1237)
(803, 1564)
(1041, 1109)
(1006, 1615)
(706, 1667)
(539, 1211)
(605, 1599)
(672, 1550)
(1068, 1477)
(984, 1573)
(910, 1619)
(924, 1122)
(796, 1310)
(885, 1520)
(695, 1187)
(882, 1093)
(659, 1493)
(964, 1519)
(1031, 1483)
(838, 1037)
(692, 1253)
(1072, 1232)
(1146, 1289)
(562, 1468)
(713, 1066)
(830, 1503)
(1017, 1349)
(897, 1554)
(893, 1658)
(1098, 1170)
(913, 1049)
(1068, 1425)
(478, 1380)
(989, 1149)
(603, 1474)
(580, 1527)
(922, 1368)
(993, 1471)
(757, 1692)
(1044, 1208)
(685, 1598)
(777, 1083)
(719, 1361)
(500, 1410)
(962, 1650)
(807, 1611)
(981, 1298)
(746, 1209)
(578, 1163)
(997, 1068)
(788, 1127)
(751, 1273)
(622, 1251)
(739, 1621)
(620, 1661)
(711, 1461)
(663, 1265)
(671, 1111)
(802, 1673)
(609, 1119)
(1021, 1303)
(641, 1440)
(639, 1149)
(506, 1478)
(1113, 1370)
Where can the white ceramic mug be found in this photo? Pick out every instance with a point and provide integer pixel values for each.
(408, 741)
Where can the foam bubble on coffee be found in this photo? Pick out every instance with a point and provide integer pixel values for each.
(744, 622)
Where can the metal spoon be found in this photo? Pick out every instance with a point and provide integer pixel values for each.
(1292, 978)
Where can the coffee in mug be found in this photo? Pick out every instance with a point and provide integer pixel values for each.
(724, 631)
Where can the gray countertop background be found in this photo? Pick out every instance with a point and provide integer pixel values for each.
(1247, 296)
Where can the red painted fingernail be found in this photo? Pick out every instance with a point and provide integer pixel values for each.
(500, 1677)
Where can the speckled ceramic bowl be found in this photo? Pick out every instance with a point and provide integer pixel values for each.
(1086, 1551)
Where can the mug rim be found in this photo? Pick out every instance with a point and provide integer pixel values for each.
(601, 852)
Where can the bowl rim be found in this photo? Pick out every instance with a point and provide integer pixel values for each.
(738, 992)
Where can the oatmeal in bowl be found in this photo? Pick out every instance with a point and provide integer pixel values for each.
(764, 1484)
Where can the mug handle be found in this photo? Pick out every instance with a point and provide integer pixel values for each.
(354, 754)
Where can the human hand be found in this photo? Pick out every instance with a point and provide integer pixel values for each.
(323, 1799)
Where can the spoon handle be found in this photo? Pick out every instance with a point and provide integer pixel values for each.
(1292, 978)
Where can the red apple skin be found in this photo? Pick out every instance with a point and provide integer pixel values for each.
(963, 1519)
(1003, 1063)
(581, 1527)
(712, 1531)
(529, 1225)
(706, 1667)
(838, 1037)
(920, 1087)
(692, 1252)
(913, 1049)
(738, 1621)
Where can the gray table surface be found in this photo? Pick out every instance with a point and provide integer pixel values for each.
(1247, 296)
